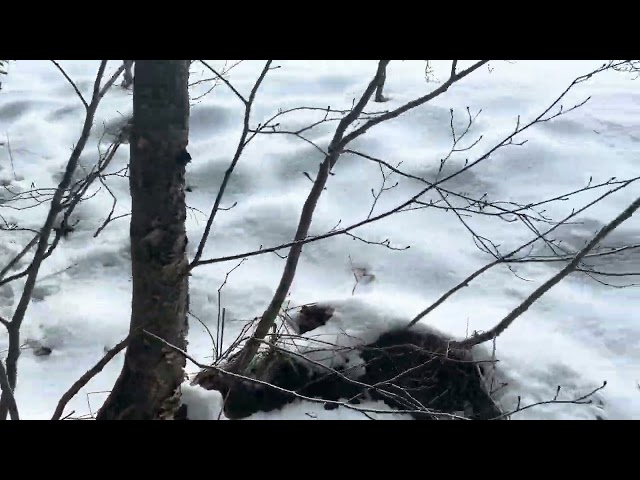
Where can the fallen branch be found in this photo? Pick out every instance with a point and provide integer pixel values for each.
(297, 395)
(582, 400)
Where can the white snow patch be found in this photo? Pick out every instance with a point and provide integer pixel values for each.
(202, 404)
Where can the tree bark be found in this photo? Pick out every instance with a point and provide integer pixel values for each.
(149, 385)
(127, 80)
(379, 97)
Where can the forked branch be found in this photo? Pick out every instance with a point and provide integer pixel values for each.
(42, 245)
(545, 287)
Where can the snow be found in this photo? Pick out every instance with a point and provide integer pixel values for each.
(206, 405)
(578, 335)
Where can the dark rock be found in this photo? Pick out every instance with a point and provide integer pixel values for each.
(42, 351)
(312, 317)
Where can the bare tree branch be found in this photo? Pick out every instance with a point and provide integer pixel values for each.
(111, 81)
(84, 379)
(236, 157)
(540, 291)
(508, 140)
(228, 84)
(222, 311)
(215, 79)
(18, 257)
(72, 83)
(509, 257)
(454, 63)
(379, 97)
(43, 240)
(410, 105)
(302, 231)
(581, 400)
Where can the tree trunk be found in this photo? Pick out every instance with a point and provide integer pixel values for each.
(149, 384)
(127, 80)
(379, 97)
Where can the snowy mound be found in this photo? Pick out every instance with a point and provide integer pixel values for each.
(358, 353)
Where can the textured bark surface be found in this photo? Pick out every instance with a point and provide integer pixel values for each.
(379, 96)
(149, 384)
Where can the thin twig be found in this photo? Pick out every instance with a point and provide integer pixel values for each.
(72, 83)
(13, 168)
(18, 257)
(228, 83)
(581, 400)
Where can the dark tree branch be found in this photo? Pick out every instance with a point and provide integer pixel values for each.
(236, 157)
(43, 240)
(18, 257)
(540, 291)
(215, 80)
(508, 140)
(13, 168)
(383, 188)
(304, 224)
(384, 243)
(509, 257)
(84, 379)
(412, 104)
(111, 80)
(228, 84)
(222, 312)
(443, 298)
(7, 392)
(72, 83)
(567, 258)
(581, 400)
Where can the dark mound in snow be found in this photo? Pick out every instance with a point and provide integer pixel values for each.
(311, 317)
(287, 372)
(409, 369)
(422, 365)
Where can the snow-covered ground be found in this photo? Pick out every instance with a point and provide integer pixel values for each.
(578, 335)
